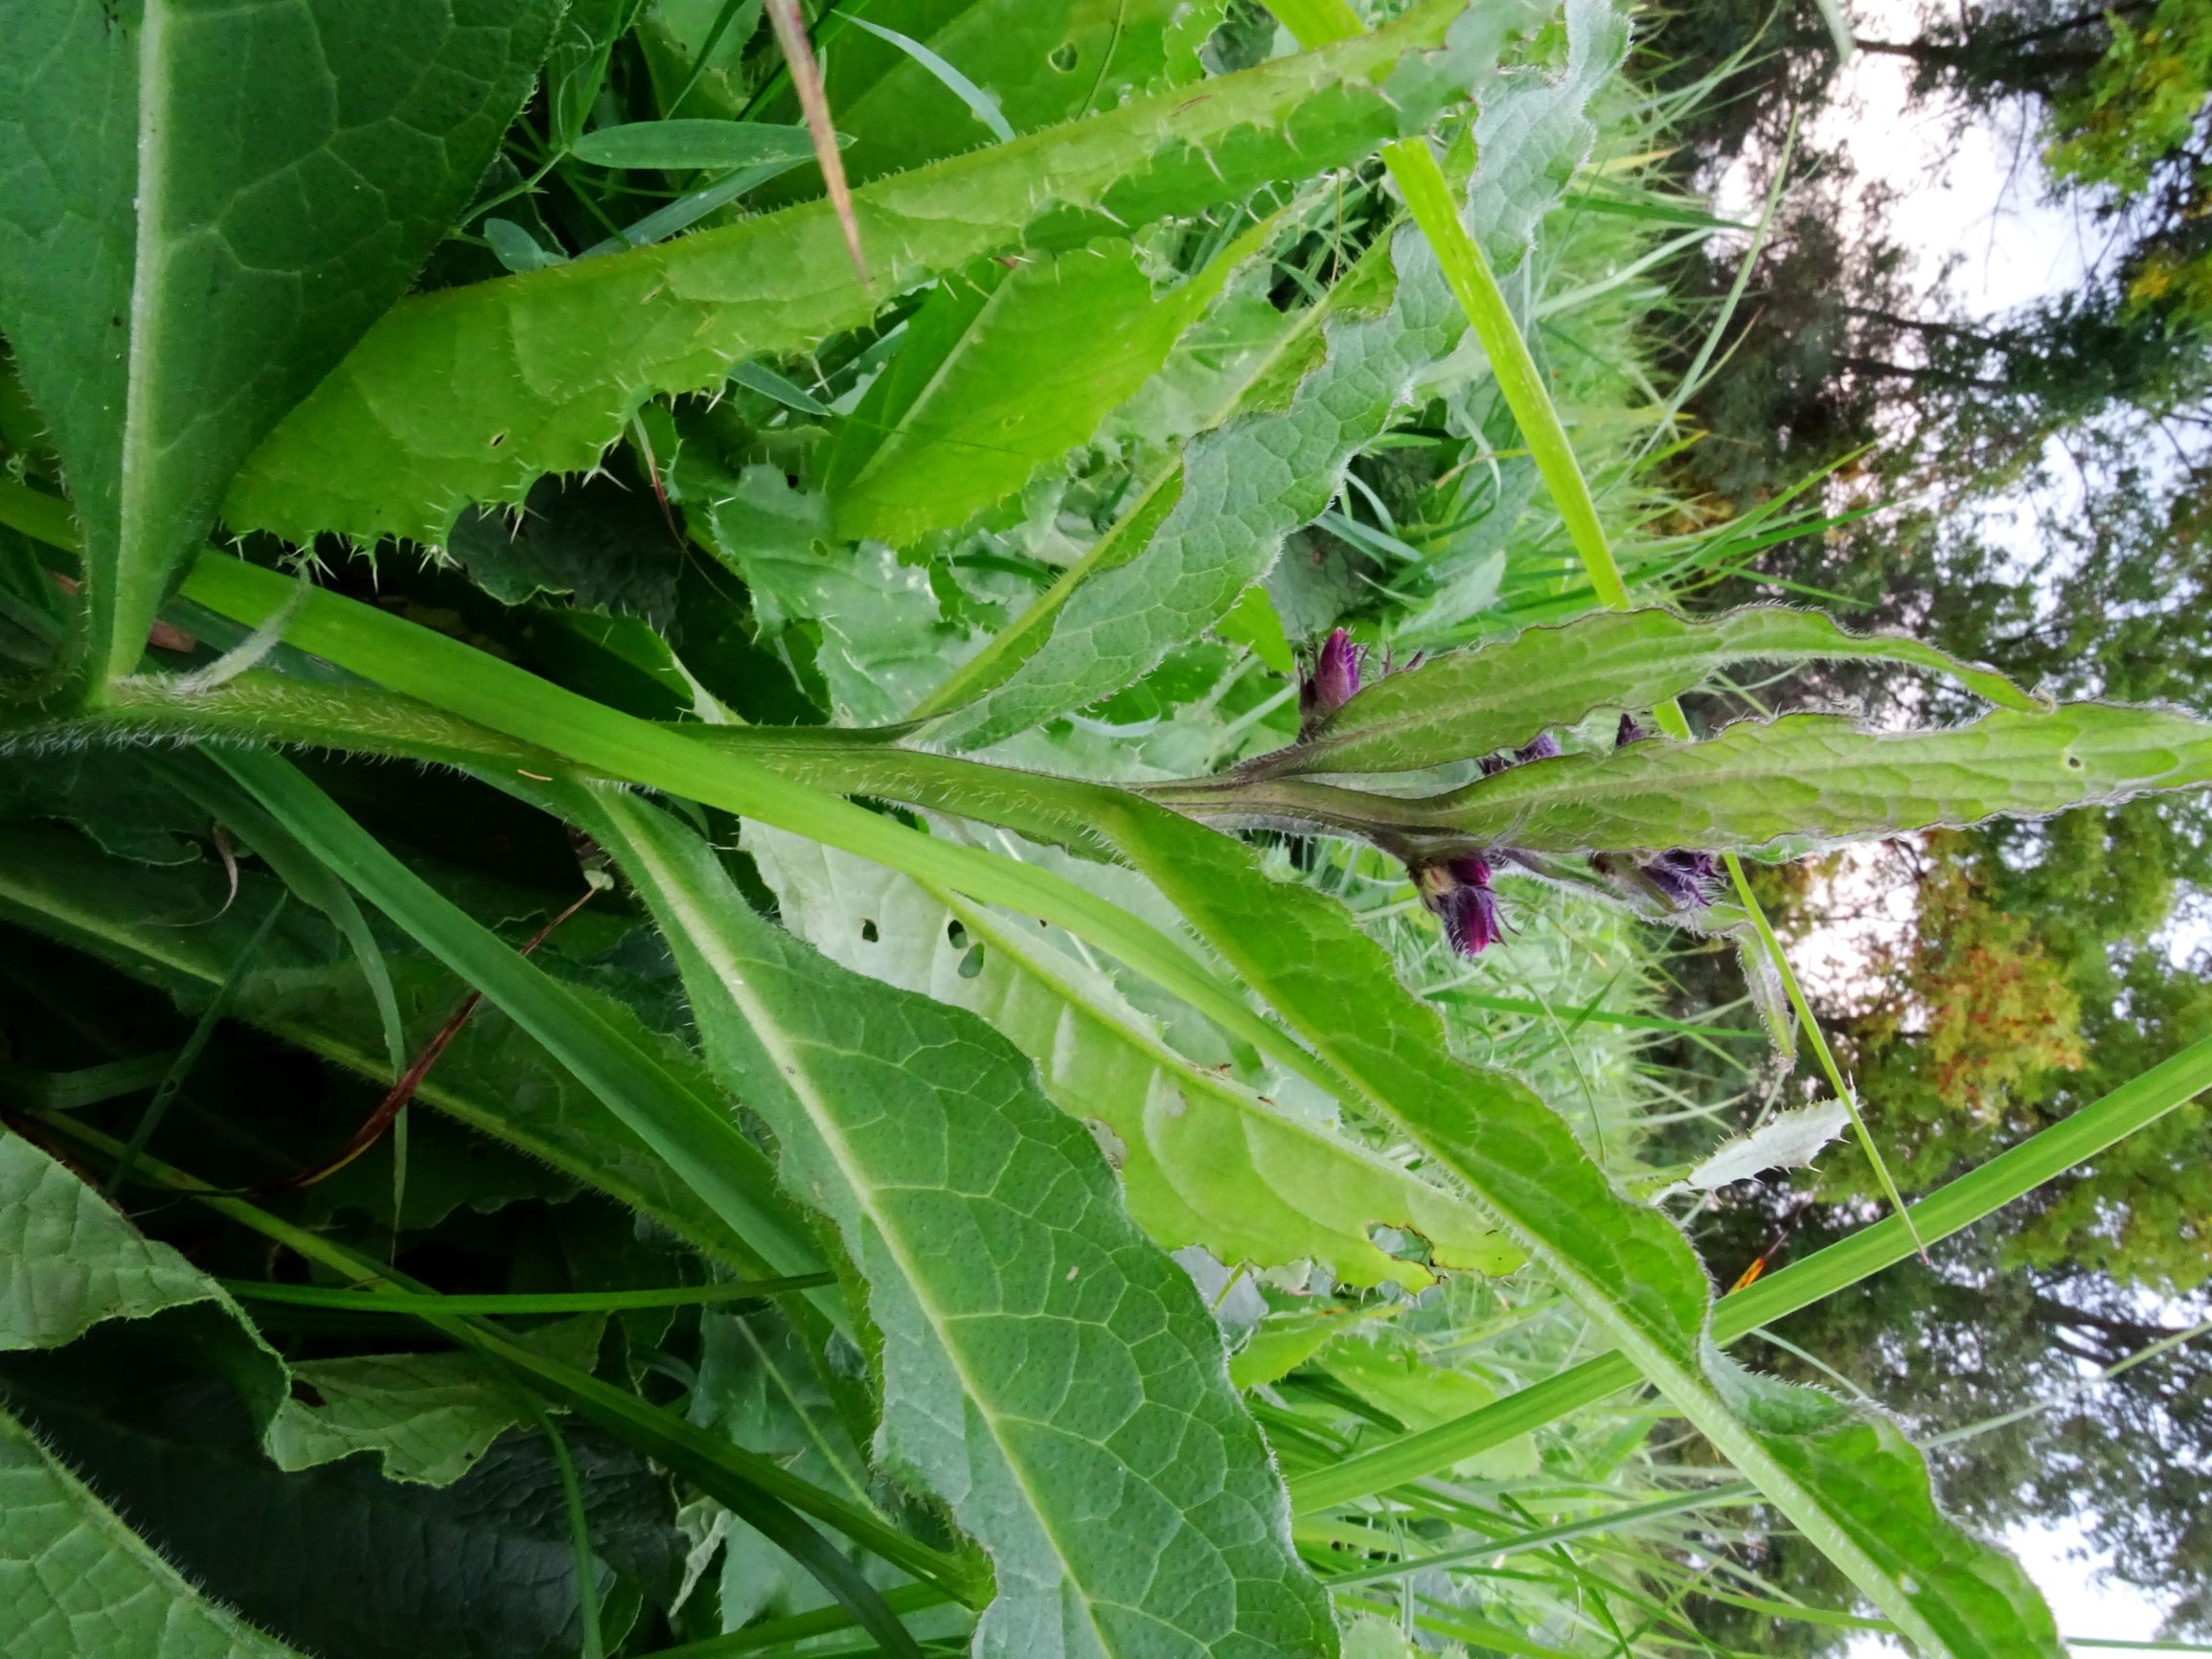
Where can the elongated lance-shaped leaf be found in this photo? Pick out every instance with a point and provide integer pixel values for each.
(1803, 777)
(1002, 374)
(75, 1580)
(472, 393)
(1470, 703)
(1047, 1372)
(202, 205)
(1202, 1159)
(695, 1133)
(493, 1078)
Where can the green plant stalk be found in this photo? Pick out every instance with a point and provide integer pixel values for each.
(450, 675)
(1949, 1208)
(725, 1471)
(1428, 197)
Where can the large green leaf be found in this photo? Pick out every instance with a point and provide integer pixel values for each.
(1047, 1372)
(472, 393)
(202, 205)
(1773, 784)
(1003, 372)
(1466, 704)
(1863, 1498)
(1203, 1159)
(1531, 137)
(75, 1581)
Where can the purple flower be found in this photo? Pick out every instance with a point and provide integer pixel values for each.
(1688, 879)
(1333, 682)
(1632, 731)
(1458, 890)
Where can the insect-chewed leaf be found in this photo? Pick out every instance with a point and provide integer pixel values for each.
(202, 205)
(471, 394)
(1203, 1159)
(69, 1565)
(1498, 696)
(1048, 1371)
(1824, 777)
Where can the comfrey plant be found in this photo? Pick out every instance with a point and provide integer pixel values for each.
(784, 1248)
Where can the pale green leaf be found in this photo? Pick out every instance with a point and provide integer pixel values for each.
(470, 395)
(1048, 1373)
(1531, 137)
(1472, 703)
(202, 205)
(75, 1581)
(1204, 1160)
(1819, 777)
(428, 1418)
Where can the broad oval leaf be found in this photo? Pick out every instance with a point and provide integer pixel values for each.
(202, 205)
(682, 146)
(1047, 1372)
(1476, 702)
(470, 395)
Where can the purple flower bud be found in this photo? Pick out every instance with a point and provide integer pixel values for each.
(1333, 682)
(1688, 879)
(1458, 890)
(1544, 747)
(1630, 731)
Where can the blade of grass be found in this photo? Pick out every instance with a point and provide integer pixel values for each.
(524, 1302)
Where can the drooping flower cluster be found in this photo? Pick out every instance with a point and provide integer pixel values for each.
(1458, 890)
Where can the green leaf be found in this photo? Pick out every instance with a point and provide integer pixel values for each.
(1765, 784)
(1471, 703)
(1047, 1372)
(1204, 1160)
(1531, 136)
(1623, 1263)
(428, 1418)
(1042, 65)
(201, 207)
(1003, 372)
(682, 146)
(470, 395)
(493, 1078)
(69, 1261)
(75, 1579)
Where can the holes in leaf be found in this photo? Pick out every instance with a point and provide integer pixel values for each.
(956, 935)
(1062, 57)
(497, 439)
(2074, 761)
(869, 932)
(972, 963)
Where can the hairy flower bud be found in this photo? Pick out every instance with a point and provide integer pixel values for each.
(1458, 890)
(1544, 746)
(1333, 682)
(1629, 731)
(1688, 879)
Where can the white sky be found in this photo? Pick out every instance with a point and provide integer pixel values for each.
(1980, 211)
